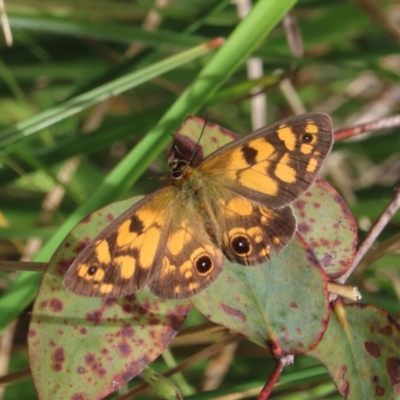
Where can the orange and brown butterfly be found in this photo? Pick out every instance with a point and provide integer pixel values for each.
(233, 204)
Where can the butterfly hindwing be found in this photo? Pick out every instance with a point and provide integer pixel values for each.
(274, 164)
(247, 231)
(190, 262)
(252, 232)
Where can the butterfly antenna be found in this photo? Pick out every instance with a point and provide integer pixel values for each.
(198, 141)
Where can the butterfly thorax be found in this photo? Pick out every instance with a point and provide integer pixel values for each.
(189, 181)
(191, 187)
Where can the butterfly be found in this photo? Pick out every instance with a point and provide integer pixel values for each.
(234, 204)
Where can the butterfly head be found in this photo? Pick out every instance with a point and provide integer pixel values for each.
(185, 155)
(178, 168)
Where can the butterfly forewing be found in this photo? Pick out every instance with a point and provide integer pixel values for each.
(115, 263)
(275, 164)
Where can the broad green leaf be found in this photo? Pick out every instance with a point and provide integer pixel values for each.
(360, 349)
(96, 344)
(328, 227)
(281, 305)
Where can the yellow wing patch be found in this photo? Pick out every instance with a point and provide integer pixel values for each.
(114, 263)
(287, 136)
(284, 172)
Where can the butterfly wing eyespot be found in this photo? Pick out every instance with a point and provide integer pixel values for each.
(260, 235)
(241, 245)
(204, 264)
(92, 269)
(306, 138)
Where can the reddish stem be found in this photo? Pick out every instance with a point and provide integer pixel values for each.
(381, 123)
(373, 233)
(276, 373)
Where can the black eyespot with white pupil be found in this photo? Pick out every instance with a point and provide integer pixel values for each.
(241, 245)
(92, 270)
(306, 138)
(203, 264)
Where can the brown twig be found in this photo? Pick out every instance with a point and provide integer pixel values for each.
(378, 17)
(293, 35)
(373, 233)
(14, 266)
(6, 342)
(6, 25)
(15, 377)
(205, 333)
(387, 247)
(381, 123)
(218, 367)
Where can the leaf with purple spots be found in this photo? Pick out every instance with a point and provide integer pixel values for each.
(328, 227)
(86, 348)
(361, 351)
(281, 305)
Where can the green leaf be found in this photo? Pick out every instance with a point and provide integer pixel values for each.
(105, 31)
(281, 305)
(97, 344)
(327, 225)
(360, 349)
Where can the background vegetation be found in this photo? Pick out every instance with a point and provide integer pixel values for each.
(63, 134)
